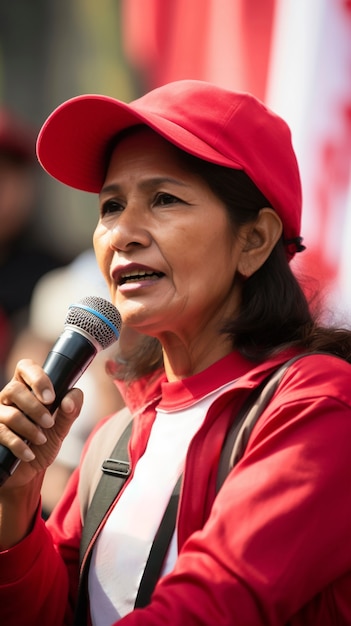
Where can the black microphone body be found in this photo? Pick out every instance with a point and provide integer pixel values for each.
(67, 360)
(71, 355)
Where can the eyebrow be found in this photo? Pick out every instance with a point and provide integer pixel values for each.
(144, 184)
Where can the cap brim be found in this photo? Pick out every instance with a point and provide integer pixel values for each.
(73, 142)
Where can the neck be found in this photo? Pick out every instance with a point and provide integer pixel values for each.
(182, 360)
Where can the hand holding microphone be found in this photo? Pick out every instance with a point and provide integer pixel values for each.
(91, 325)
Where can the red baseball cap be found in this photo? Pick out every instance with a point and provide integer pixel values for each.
(229, 128)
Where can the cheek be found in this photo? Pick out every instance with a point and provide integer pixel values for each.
(207, 248)
(102, 250)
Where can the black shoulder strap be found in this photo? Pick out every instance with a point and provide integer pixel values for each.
(159, 549)
(115, 470)
(240, 431)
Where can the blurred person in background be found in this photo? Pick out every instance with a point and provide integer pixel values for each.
(22, 260)
(52, 296)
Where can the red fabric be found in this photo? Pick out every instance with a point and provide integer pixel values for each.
(273, 547)
(163, 41)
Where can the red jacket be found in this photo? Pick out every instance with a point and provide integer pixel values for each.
(273, 548)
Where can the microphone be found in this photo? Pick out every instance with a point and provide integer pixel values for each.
(91, 325)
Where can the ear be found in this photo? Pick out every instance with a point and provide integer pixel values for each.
(259, 241)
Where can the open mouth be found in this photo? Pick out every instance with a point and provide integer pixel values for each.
(138, 276)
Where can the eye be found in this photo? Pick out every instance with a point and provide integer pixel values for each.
(110, 206)
(165, 199)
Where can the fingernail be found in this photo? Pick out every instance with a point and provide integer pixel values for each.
(41, 438)
(28, 455)
(48, 396)
(47, 420)
(68, 405)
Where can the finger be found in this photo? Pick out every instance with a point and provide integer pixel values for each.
(18, 433)
(15, 420)
(33, 375)
(18, 446)
(18, 396)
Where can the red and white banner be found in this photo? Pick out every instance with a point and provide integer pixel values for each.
(309, 84)
(222, 41)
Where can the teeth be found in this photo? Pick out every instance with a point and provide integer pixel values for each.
(137, 274)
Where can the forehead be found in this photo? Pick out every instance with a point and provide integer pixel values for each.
(144, 158)
(142, 143)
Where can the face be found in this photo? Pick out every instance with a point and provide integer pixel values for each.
(164, 243)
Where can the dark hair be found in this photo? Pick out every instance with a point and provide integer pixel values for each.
(274, 312)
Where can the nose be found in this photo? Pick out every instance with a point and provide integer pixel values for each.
(129, 230)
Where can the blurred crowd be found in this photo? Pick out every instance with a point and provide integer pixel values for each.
(22, 260)
(36, 289)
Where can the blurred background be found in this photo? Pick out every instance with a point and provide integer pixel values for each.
(292, 54)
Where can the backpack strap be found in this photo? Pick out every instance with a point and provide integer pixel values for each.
(116, 470)
(159, 549)
(100, 446)
(240, 431)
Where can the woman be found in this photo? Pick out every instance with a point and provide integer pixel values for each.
(200, 208)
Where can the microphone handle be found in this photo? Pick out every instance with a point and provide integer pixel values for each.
(65, 363)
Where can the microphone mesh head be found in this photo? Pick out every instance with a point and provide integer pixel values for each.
(97, 317)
